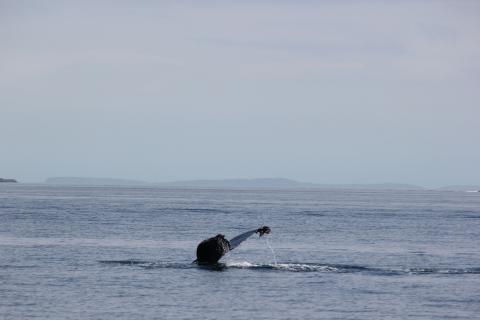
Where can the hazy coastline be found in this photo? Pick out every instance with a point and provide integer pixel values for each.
(261, 183)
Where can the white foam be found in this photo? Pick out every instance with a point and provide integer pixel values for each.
(295, 267)
(303, 267)
(241, 264)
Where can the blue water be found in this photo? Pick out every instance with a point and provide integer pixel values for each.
(125, 253)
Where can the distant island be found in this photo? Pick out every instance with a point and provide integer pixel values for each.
(8, 180)
(239, 183)
(85, 181)
(260, 183)
(278, 183)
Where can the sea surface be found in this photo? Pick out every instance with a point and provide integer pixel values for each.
(76, 252)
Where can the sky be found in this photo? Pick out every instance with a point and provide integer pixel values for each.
(316, 91)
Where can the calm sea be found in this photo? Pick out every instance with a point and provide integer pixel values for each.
(71, 252)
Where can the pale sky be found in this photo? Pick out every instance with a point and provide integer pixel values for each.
(317, 91)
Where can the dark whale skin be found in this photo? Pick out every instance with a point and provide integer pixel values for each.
(209, 251)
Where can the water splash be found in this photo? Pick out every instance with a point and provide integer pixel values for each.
(267, 243)
(273, 251)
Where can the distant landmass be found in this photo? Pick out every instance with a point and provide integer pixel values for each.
(8, 180)
(279, 183)
(239, 183)
(380, 186)
(80, 181)
(265, 183)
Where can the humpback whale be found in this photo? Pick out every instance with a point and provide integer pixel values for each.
(210, 250)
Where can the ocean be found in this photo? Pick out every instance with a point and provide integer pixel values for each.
(77, 252)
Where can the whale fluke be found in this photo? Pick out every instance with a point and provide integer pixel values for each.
(210, 250)
(235, 242)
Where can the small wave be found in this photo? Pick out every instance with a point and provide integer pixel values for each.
(311, 213)
(149, 264)
(470, 216)
(124, 262)
(9, 266)
(442, 270)
(293, 267)
(199, 210)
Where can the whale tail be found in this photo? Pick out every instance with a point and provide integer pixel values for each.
(235, 242)
(210, 250)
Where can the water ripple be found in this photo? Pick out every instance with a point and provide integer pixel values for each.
(294, 267)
